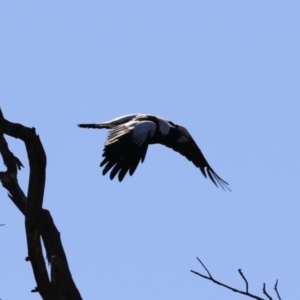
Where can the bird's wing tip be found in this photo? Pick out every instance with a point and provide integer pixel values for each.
(217, 180)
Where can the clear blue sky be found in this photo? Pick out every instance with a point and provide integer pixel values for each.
(226, 70)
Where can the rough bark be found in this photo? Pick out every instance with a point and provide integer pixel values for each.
(38, 221)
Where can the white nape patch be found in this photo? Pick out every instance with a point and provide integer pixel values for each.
(142, 130)
(164, 127)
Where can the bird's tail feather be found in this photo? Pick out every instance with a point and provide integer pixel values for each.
(94, 126)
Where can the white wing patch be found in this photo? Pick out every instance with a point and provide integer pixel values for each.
(164, 127)
(141, 131)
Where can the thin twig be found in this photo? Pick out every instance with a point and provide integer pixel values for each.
(204, 267)
(209, 277)
(247, 286)
(265, 292)
(276, 290)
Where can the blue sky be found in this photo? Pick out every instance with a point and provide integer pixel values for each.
(229, 72)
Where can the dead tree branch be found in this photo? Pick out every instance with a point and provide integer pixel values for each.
(276, 290)
(246, 281)
(245, 293)
(38, 221)
(265, 292)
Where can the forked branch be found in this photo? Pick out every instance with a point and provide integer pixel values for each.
(245, 292)
(38, 221)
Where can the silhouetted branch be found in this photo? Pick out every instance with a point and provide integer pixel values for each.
(265, 292)
(246, 282)
(38, 222)
(276, 290)
(245, 293)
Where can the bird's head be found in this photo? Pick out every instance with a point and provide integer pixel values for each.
(185, 135)
(184, 131)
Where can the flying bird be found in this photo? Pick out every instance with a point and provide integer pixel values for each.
(130, 136)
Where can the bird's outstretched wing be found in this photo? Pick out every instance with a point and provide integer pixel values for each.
(187, 147)
(125, 147)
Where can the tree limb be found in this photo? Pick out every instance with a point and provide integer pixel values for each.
(245, 293)
(38, 222)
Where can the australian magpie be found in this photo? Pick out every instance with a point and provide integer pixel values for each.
(128, 141)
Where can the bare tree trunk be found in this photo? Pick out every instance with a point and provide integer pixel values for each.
(38, 221)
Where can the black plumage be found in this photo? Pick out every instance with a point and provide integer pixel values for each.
(128, 141)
